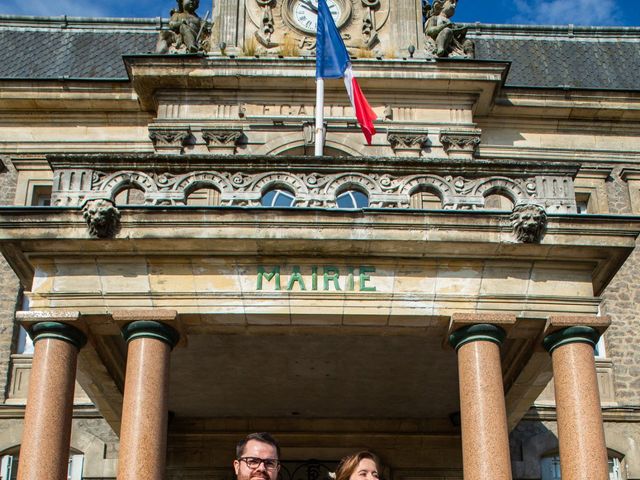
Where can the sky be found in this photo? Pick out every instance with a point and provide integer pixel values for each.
(537, 12)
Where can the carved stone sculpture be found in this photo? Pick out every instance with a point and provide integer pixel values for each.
(460, 144)
(369, 27)
(445, 38)
(408, 144)
(187, 33)
(268, 24)
(529, 223)
(169, 140)
(222, 141)
(102, 217)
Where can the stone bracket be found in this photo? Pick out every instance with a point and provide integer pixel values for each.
(460, 144)
(170, 140)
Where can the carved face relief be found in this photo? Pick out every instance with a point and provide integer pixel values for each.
(529, 223)
(102, 217)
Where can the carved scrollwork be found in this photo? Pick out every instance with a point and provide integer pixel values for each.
(402, 142)
(222, 140)
(102, 217)
(460, 144)
(316, 188)
(169, 140)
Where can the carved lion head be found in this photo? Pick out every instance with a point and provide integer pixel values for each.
(529, 223)
(102, 217)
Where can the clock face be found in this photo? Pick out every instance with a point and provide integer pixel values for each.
(305, 14)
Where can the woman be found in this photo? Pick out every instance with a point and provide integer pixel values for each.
(359, 466)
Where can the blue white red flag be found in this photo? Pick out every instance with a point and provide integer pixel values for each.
(332, 61)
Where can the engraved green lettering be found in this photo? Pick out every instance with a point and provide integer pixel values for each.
(262, 274)
(314, 278)
(350, 282)
(296, 276)
(365, 277)
(332, 274)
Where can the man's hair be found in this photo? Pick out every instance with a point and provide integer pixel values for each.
(263, 437)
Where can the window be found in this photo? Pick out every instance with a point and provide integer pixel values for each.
(130, 196)
(278, 198)
(41, 197)
(583, 201)
(550, 468)
(498, 201)
(352, 199)
(204, 197)
(9, 467)
(426, 200)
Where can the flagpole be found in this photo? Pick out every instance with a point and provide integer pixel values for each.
(319, 146)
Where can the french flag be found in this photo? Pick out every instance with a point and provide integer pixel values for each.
(332, 61)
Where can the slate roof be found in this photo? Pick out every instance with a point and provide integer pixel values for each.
(551, 57)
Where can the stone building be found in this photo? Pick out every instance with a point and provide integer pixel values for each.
(399, 297)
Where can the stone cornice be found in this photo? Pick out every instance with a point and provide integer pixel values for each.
(479, 80)
(125, 161)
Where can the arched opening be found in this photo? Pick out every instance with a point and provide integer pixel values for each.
(498, 201)
(426, 198)
(204, 197)
(130, 195)
(278, 197)
(352, 198)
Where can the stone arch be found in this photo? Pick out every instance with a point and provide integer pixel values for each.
(289, 141)
(501, 186)
(117, 182)
(346, 181)
(265, 182)
(434, 183)
(196, 180)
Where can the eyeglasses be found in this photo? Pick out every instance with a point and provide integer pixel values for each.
(254, 462)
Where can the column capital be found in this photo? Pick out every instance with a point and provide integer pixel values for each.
(59, 331)
(478, 332)
(574, 334)
(151, 329)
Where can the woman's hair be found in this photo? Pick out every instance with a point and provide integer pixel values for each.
(348, 464)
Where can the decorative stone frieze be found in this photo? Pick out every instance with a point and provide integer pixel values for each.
(169, 140)
(102, 217)
(244, 181)
(222, 141)
(529, 223)
(408, 144)
(460, 144)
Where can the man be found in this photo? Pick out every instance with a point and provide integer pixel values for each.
(257, 458)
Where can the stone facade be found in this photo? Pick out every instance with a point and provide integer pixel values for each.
(9, 292)
(183, 156)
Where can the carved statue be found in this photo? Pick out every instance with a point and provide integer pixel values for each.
(102, 217)
(444, 37)
(529, 223)
(187, 31)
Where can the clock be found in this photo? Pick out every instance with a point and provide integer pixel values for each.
(303, 14)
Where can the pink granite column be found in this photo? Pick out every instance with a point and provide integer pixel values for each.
(485, 437)
(583, 451)
(44, 452)
(143, 432)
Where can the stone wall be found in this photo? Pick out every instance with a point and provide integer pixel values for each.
(622, 301)
(9, 287)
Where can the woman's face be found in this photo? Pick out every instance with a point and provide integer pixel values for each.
(366, 470)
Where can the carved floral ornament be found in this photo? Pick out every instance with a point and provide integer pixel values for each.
(528, 220)
(315, 189)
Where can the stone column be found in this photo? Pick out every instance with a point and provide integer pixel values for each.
(583, 451)
(485, 437)
(44, 452)
(143, 432)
